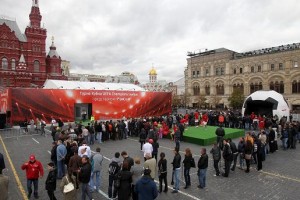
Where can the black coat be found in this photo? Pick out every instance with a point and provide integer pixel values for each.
(203, 162)
(85, 173)
(51, 181)
(176, 161)
(125, 187)
(187, 161)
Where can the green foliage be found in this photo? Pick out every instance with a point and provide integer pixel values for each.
(236, 99)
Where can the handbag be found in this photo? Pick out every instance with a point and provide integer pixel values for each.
(248, 156)
(69, 187)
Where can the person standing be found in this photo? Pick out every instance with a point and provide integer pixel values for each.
(137, 172)
(162, 170)
(220, 135)
(216, 153)
(146, 187)
(227, 156)
(53, 153)
(61, 152)
(2, 163)
(248, 154)
(69, 178)
(113, 168)
(155, 146)
(143, 137)
(151, 164)
(202, 168)
(98, 130)
(127, 159)
(84, 177)
(234, 152)
(34, 170)
(98, 159)
(259, 153)
(51, 181)
(147, 148)
(176, 169)
(124, 191)
(75, 163)
(187, 164)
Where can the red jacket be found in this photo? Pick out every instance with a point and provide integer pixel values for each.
(33, 170)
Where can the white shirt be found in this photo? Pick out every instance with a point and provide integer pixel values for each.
(147, 148)
(88, 151)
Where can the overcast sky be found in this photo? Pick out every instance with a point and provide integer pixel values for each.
(111, 36)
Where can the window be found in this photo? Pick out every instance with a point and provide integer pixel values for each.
(196, 89)
(252, 69)
(296, 64)
(222, 71)
(198, 74)
(272, 67)
(238, 87)
(277, 86)
(255, 87)
(194, 74)
(241, 70)
(207, 90)
(207, 72)
(218, 71)
(259, 68)
(234, 71)
(4, 63)
(220, 89)
(13, 64)
(36, 66)
(280, 66)
(296, 87)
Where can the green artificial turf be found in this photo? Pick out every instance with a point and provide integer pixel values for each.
(206, 135)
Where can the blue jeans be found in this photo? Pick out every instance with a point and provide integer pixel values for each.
(35, 186)
(187, 177)
(242, 160)
(99, 136)
(85, 190)
(176, 178)
(60, 168)
(92, 139)
(247, 125)
(202, 177)
(284, 143)
(92, 182)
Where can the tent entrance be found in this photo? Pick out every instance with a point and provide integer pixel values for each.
(259, 107)
(83, 111)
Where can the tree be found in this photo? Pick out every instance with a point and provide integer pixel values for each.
(215, 100)
(201, 100)
(236, 99)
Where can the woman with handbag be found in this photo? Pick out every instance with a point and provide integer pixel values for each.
(248, 154)
(68, 185)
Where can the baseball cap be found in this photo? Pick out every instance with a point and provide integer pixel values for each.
(32, 157)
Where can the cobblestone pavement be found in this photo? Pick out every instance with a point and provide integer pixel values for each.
(280, 178)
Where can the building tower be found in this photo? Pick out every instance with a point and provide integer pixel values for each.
(152, 75)
(53, 63)
(23, 77)
(36, 45)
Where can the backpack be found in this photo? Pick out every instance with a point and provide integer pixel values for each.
(193, 164)
(117, 180)
(113, 168)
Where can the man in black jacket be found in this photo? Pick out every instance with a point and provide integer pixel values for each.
(84, 177)
(220, 134)
(235, 153)
(227, 155)
(176, 169)
(51, 181)
(202, 168)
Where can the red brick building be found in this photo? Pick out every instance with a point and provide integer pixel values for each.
(23, 58)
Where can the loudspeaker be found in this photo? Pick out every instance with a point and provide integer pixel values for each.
(8, 114)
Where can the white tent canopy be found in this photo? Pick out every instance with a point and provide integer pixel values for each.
(266, 102)
(59, 84)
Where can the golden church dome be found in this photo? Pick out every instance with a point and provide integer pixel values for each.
(152, 71)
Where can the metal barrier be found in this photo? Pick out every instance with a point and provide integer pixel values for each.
(16, 132)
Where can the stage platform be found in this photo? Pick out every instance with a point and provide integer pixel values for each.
(206, 136)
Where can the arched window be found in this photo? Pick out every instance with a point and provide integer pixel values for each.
(252, 69)
(36, 66)
(4, 63)
(277, 86)
(272, 67)
(296, 87)
(238, 87)
(255, 87)
(220, 89)
(196, 89)
(218, 71)
(222, 71)
(207, 89)
(13, 64)
(207, 72)
(259, 68)
(280, 66)
(234, 71)
(241, 70)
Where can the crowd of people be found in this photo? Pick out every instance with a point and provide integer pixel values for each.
(78, 167)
